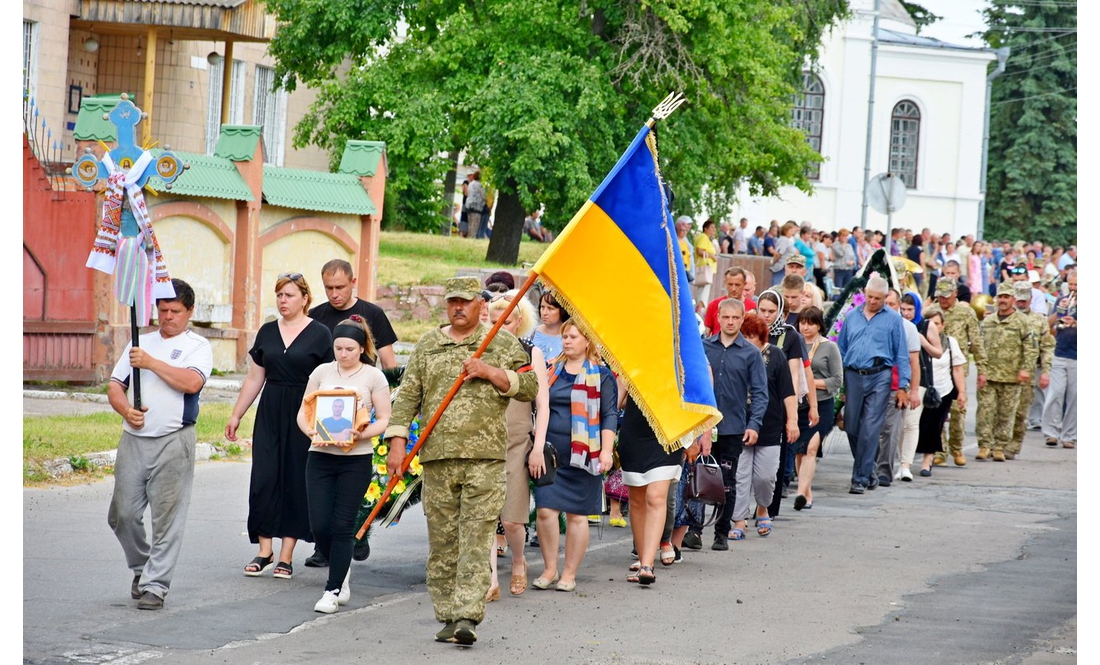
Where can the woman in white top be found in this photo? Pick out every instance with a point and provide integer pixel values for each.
(336, 476)
(949, 382)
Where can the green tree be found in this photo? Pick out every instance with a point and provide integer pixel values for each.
(1032, 175)
(921, 15)
(544, 95)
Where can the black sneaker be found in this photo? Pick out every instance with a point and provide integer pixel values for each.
(873, 484)
(361, 551)
(317, 560)
(857, 488)
(883, 481)
(693, 541)
(150, 601)
(464, 632)
(447, 633)
(720, 542)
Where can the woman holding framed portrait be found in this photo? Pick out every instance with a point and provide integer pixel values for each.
(336, 415)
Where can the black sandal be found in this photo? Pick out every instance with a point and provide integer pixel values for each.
(284, 570)
(259, 565)
(646, 576)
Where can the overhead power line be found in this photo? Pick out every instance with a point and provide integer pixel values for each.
(1024, 99)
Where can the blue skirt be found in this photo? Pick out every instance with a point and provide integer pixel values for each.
(574, 491)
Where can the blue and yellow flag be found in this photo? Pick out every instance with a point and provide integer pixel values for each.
(617, 269)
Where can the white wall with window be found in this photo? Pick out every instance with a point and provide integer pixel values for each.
(269, 111)
(927, 126)
(30, 57)
(238, 73)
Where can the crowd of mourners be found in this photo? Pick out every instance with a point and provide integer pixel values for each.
(541, 421)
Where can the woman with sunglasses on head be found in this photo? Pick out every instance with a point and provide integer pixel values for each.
(338, 476)
(284, 354)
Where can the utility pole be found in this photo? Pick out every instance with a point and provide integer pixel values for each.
(1002, 58)
(870, 115)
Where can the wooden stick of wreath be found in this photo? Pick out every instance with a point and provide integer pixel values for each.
(443, 406)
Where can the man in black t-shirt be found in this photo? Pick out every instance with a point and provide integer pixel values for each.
(339, 280)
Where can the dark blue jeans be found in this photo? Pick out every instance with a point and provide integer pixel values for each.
(866, 398)
(335, 485)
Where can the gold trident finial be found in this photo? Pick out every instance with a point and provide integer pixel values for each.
(667, 106)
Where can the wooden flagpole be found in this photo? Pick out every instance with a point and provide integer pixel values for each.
(395, 478)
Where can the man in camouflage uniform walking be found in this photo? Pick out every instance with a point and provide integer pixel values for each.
(960, 322)
(464, 458)
(1041, 330)
(1011, 354)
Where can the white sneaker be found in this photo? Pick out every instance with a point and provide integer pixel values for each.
(906, 474)
(328, 603)
(345, 590)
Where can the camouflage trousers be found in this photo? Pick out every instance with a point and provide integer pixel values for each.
(997, 404)
(462, 499)
(1019, 426)
(953, 439)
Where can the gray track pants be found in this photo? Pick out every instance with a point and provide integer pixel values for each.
(153, 472)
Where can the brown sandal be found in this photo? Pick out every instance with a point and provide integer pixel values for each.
(518, 583)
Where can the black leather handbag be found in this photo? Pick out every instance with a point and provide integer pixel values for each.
(704, 488)
(550, 457)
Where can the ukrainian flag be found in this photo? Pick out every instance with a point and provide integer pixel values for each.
(617, 269)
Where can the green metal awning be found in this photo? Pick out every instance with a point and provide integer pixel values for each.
(314, 190)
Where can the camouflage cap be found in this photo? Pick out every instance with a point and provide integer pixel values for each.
(797, 260)
(1022, 290)
(945, 287)
(1007, 289)
(466, 288)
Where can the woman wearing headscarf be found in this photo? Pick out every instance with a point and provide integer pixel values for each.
(930, 347)
(583, 420)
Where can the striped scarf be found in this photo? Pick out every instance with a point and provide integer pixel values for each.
(584, 417)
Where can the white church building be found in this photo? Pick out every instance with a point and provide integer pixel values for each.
(929, 115)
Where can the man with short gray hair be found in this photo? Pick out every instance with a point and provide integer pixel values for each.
(871, 342)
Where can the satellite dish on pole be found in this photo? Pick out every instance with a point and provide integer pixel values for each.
(886, 193)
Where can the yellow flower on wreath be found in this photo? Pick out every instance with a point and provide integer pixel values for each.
(382, 450)
(373, 492)
(399, 487)
(414, 466)
(381, 469)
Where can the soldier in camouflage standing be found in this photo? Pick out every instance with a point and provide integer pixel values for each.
(464, 458)
(1041, 329)
(1012, 351)
(960, 322)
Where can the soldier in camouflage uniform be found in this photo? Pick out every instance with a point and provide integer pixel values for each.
(1041, 330)
(464, 458)
(960, 322)
(1012, 351)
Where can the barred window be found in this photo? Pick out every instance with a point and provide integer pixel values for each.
(904, 140)
(808, 115)
(269, 110)
(30, 57)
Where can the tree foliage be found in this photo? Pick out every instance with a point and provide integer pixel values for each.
(920, 14)
(544, 95)
(1032, 175)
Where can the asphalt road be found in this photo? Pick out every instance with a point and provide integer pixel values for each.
(974, 565)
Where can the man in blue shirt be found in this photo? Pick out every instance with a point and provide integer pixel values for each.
(871, 342)
(741, 389)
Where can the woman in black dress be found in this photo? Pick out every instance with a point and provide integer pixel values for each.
(284, 354)
(648, 471)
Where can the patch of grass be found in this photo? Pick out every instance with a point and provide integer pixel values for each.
(75, 437)
(410, 331)
(406, 259)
